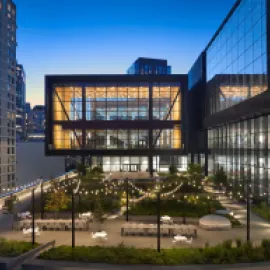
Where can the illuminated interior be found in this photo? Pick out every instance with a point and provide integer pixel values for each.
(102, 102)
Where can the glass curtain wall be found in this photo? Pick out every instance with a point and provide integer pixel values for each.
(117, 139)
(132, 164)
(242, 149)
(121, 102)
(237, 58)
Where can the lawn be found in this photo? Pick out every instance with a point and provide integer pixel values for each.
(225, 253)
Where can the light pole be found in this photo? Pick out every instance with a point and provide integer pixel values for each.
(158, 214)
(126, 181)
(73, 212)
(248, 210)
(41, 199)
(73, 219)
(158, 221)
(33, 216)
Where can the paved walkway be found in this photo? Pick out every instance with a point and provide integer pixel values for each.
(113, 228)
(240, 213)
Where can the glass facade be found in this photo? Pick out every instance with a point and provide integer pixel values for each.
(129, 103)
(117, 102)
(196, 73)
(243, 150)
(139, 163)
(237, 58)
(146, 66)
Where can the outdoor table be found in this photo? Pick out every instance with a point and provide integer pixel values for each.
(30, 230)
(166, 229)
(165, 218)
(24, 215)
(180, 238)
(86, 215)
(100, 235)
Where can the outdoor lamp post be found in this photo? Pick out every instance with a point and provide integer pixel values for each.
(33, 216)
(158, 216)
(41, 199)
(248, 210)
(73, 212)
(126, 182)
(73, 219)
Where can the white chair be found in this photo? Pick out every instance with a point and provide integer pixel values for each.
(189, 241)
(25, 232)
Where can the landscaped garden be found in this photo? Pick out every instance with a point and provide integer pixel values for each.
(10, 248)
(187, 206)
(226, 253)
(93, 195)
(182, 195)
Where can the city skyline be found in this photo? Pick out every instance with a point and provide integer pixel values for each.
(117, 37)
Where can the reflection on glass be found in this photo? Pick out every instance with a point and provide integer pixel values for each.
(237, 59)
(166, 102)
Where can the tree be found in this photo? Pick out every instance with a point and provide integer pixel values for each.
(56, 201)
(97, 170)
(98, 212)
(220, 178)
(195, 172)
(81, 169)
(10, 203)
(173, 170)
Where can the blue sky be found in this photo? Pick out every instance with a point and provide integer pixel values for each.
(106, 36)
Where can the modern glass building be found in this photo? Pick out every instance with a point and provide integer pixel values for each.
(144, 66)
(236, 97)
(120, 122)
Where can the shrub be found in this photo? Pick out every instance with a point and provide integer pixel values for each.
(173, 169)
(14, 248)
(227, 244)
(189, 207)
(239, 243)
(97, 170)
(266, 247)
(220, 254)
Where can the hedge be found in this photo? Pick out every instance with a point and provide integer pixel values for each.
(175, 208)
(224, 253)
(14, 248)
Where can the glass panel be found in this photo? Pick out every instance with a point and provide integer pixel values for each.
(236, 60)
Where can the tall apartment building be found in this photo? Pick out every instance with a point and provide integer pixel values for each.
(20, 103)
(145, 66)
(7, 93)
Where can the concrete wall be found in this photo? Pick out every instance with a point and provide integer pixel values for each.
(32, 163)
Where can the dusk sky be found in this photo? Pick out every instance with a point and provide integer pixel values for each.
(106, 36)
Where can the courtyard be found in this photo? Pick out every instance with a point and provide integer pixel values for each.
(259, 230)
